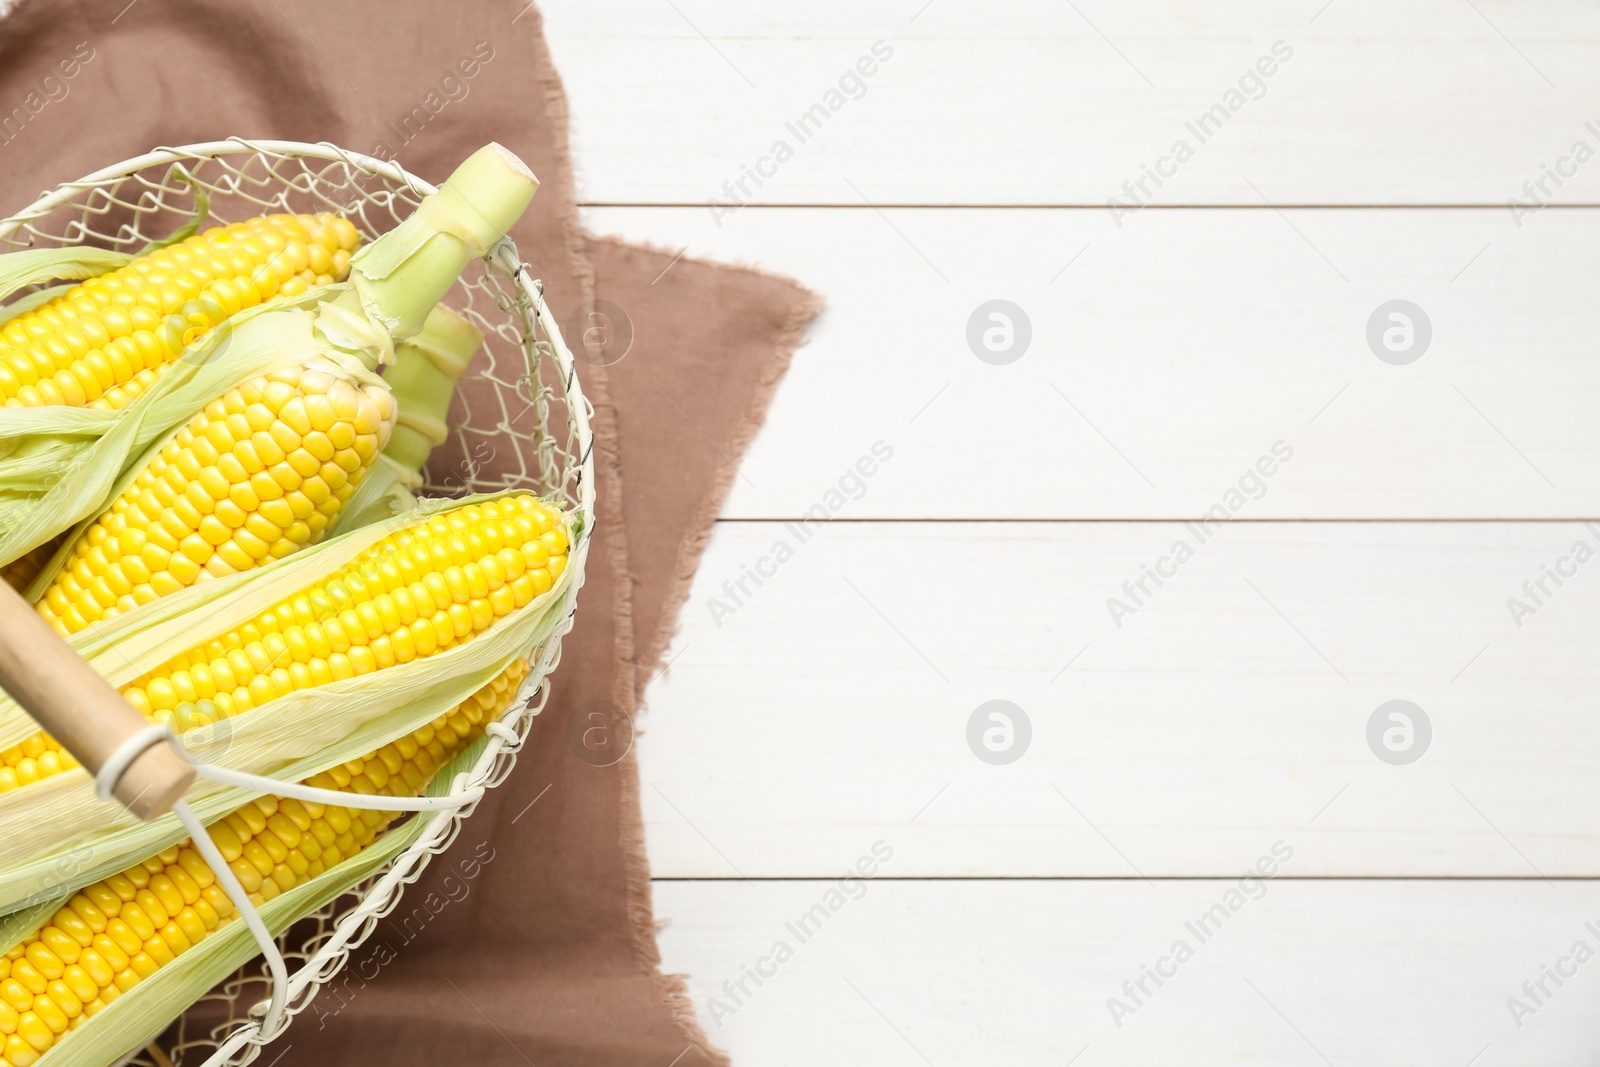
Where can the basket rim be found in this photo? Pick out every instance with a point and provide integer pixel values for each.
(63, 193)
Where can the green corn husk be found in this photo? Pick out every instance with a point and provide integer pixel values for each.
(59, 465)
(56, 832)
(143, 1012)
(423, 379)
(34, 266)
(23, 923)
(38, 298)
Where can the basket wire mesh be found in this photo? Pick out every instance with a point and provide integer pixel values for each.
(519, 421)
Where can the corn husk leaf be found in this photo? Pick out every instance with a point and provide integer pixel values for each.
(149, 1008)
(62, 465)
(35, 266)
(385, 492)
(197, 217)
(56, 832)
(28, 301)
(23, 923)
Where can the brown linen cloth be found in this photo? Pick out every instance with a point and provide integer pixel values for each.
(531, 939)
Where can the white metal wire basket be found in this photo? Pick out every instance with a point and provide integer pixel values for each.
(520, 420)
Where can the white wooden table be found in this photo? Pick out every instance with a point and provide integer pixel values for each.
(1417, 910)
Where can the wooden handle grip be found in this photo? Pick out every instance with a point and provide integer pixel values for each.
(79, 708)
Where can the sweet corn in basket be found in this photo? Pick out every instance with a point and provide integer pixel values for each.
(246, 550)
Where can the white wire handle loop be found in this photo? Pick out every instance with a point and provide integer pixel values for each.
(247, 911)
(105, 780)
(298, 791)
(116, 764)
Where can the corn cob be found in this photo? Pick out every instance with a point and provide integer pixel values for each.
(117, 932)
(255, 475)
(103, 342)
(421, 590)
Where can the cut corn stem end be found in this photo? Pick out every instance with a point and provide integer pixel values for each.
(409, 269)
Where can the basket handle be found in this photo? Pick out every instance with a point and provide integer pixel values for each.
(66, 696)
